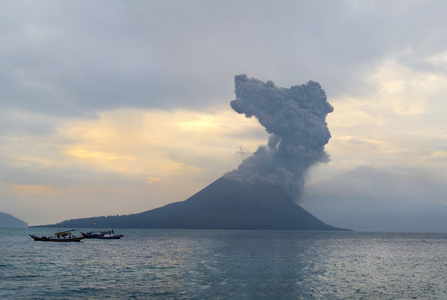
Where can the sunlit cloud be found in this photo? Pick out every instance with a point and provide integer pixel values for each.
(405, 90)
(84, 154)
(126, 154)
(153, 179)
(439, 155)
(143, 144)
(439, 60)
(157, 143)
(394, 124)
(34, 189)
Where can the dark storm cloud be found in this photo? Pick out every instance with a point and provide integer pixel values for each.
(81, 58)
(295, 118)
(77, 58)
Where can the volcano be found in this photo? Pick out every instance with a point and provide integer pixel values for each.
(224, 204)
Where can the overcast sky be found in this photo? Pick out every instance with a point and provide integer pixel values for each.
(118, 107)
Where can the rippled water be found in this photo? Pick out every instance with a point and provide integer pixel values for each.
(203, 264)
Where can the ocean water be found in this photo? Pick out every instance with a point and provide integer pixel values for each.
(208, 264)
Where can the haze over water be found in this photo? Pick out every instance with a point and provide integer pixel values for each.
(207, 264)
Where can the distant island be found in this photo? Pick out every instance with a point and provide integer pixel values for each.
(8, 221)
(224, 204)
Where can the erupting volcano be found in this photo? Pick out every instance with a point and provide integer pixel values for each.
(262, 192)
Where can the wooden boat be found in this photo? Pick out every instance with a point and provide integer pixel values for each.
(60, 236)
(105, 235)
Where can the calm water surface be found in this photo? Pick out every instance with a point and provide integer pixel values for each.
(205, 264)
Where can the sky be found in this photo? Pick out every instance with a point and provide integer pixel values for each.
(118, 107)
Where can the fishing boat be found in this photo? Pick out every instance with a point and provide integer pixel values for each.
(105, 235)
(60, 236)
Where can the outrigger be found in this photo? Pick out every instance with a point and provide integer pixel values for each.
(60, 236)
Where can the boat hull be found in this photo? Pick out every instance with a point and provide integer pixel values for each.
(98, 236)
(49, 239)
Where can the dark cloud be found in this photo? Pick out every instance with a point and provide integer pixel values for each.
(77, 58)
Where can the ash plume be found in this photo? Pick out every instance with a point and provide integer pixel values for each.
(295, 118)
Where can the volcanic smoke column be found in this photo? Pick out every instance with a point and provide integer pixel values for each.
(296, 121)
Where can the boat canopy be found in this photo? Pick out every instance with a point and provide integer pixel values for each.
(63, 233)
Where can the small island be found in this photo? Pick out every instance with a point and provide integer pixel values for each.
(9, 221)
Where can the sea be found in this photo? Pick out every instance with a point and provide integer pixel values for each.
(225, 264)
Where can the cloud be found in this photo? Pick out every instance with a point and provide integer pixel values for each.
(33, 189)
(367, 198)
(398, 121)
(156, 143)
(79, 59)
(129, 154)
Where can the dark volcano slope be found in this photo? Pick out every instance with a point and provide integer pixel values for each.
(224, 204)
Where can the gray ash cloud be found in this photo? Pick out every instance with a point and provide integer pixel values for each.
(295, 118)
